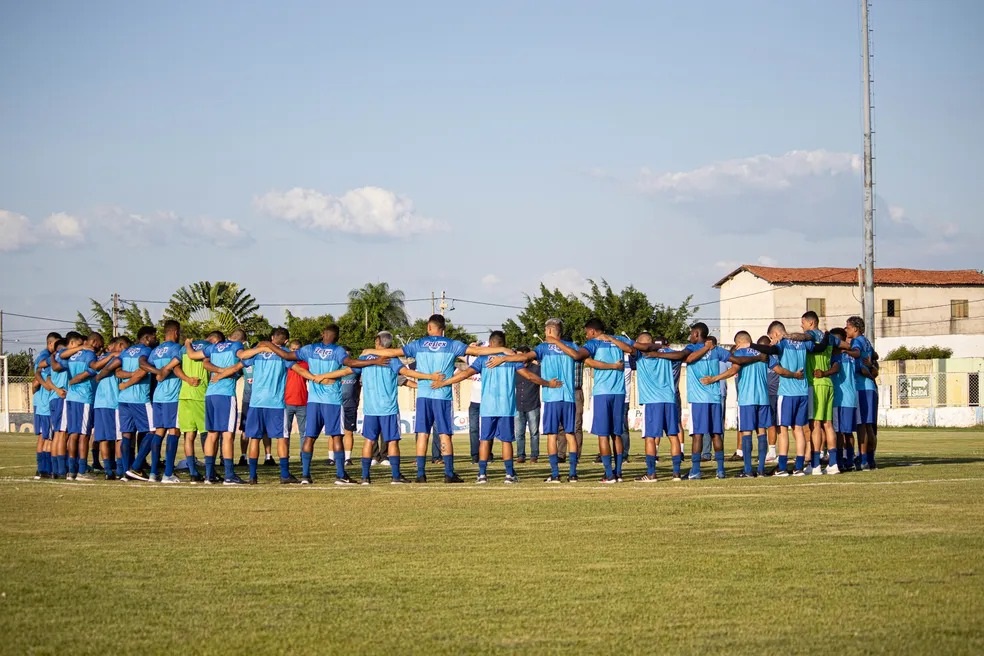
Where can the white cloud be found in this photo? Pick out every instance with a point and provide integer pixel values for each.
(569, 281)
(490, 281)
(727, 265)
(896, 213)
(222, 232)
(64, 228)
(15, 232)
(765, 260)
(367, 211)
(736, 176)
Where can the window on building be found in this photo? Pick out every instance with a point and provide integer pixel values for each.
(959, 309)
(818, 305)
(892, 307)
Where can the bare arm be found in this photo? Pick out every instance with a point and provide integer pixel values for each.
(496, 360)
(355, 363)
(416, 375)
(701, 352)
(742, 360)
(385, 353)
(536, 380)
(724, 375)
(132, 379)
(146, 366)
(457, 378)
(676, 356)
(192, 353)
(579, 354)
(488, 350)
(597, 364)
(227, 372)
(786, 373)
(834, 368)
(179, 372)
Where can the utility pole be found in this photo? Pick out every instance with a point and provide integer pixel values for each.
(869, 184)
(116, 315)
(433, 305)
(1, 332)
(444, 303)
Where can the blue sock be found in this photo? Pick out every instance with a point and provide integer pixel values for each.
(815, 461)
(864, 459)
(572, 462)
(395, 467)
(252, 462)
(155, 453)
(421, 464)
(606, 462)
(871, 456)
(44, 463)
(170, 453)
(73, 465)
(695, 463)
(832, 458)
(651, 465)
(619, 457)
(339, 457)
(554, 465)
(798, 463)
(144, 449)
(366, 462)
(285, 468)
(306, 464)
(483, 466)
(746, 452)
(39, 458)
(107, 466)
(449, 465)
(230, 473)
(84, 464)
(677, 461)
(192, 469)
(120, 469)
(719, 457)
(783, 463)
(510, 471)
(763, 448)
(62, 465)
(125, 447)
(850, 454)
(209, 467)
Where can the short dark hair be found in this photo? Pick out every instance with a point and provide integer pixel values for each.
(764, 340)
(839, 333)
(645, 332)
(171, 324)
(701, 329)
(776, 324)
(146, 331)
(857, 322)
(73, 335)
(54, 336)
(218, 334)
(594, 323)
(743, 334)
(810, 315)
(498, 337)
(280, 332)
(61, 343)
(123, 339)
(438, 320)
(332, 328)
(713, 339)
(523, 349)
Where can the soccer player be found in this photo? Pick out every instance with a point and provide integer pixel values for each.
(843, 376)
(244, 413)
(351, 392)
(78, 401)
(136, 412)
(436, 353)
(57, 385)
(106, 406)
(773, 381)
(821, 389)
(862, 351)
(191, 398)
(498, 406)
(295, 397)
(164, 358)
(658, 396)
(754, 412)
(558, 402)
(42, 407)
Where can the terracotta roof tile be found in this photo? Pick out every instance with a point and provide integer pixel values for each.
(839, 276)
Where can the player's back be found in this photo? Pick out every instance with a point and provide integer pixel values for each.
(269, 380)
(554, 363)
(194, 369)
(867, 350)
(753, 380)
(818, 359)
(654, 379)
(167, 390)
(223, 355)
(323, 359)
(107, 390)
(379, 388)
(708, 365)
(435, 355)
(139, 392)
(845, 382)
(793, 358)
(81, 392)
(498, 387)
(607, 381)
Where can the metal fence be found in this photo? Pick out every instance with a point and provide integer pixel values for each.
(931, 390)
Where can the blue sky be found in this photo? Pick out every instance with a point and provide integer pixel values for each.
(303, 149)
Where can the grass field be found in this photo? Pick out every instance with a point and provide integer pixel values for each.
(890, 561)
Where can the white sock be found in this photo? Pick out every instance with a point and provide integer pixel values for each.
(348, 455)
(772, 450)
(739, 452)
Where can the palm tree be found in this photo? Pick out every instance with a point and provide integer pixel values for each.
(377, 307)
(214, 306)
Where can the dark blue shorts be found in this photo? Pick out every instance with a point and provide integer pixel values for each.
(325, 417)
(845, 420)
(706, 419)
(754, 418)
(165, 415)
(79, 418)
(609, 415)
(868, 406)
(793, 411)
(498, 428)
(136, 418)
(661, 419)
(774, 404)
(557, 414)
(434, 412)
(387, 425)
(59, 420)
(221, 414)
(42, 426)
(106, 424)
(266, 422)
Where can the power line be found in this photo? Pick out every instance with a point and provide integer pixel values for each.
(30, 316)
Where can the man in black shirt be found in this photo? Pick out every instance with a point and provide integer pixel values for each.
(528, 411)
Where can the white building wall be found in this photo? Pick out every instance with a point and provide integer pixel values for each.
(746, 303)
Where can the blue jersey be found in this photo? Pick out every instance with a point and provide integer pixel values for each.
(323, 359)
(42, 397)
(845, 382)
(107, 389)
(434, 355)
(554, 363)
(607, 381)
(247, 382)
(139, 392)
(793, 358)
(379, 385)
(79, 363)
(753, 380)
(498, 387)
(867, 350)
(223, 355)
(269, 380)
(58, 378)
(656, 383)
(167, 390)
(772, 376)
(709, 365)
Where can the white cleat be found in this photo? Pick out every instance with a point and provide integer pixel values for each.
(832, 470)
(384, 463)
(816, 471)
(481, 480)
(770, 458)
(170, 480)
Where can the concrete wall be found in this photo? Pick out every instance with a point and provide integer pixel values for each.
(752, 302)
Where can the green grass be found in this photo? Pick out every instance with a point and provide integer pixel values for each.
(882, 562)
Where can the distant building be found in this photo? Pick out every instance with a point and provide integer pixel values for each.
(912, 307)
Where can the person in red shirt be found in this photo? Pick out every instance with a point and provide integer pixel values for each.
(295, 397)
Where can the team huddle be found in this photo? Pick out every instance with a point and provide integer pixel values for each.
(818, 385)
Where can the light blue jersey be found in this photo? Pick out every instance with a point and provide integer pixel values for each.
(167, 390)
(498, 387)
(379, 388)
(433, 355)
(79, 363)
(58, 378)
(793, 358)
(867, 350)
(607, 381)
(323, 359)
(753, 380)
(269, 380)
(656, 383)
(42, 397)
(107, 389)
(845, 382)
(139, 392)
(709, 365)
(223, 355)
(554, 363)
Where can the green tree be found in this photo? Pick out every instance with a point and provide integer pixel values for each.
(378, 307)
(307, 329)
(19, 364)
(628, 311)
(205, 306)
(673, 323)
(527, 327)
(132, 317)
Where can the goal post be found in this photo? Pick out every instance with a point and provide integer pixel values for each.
(4, 396)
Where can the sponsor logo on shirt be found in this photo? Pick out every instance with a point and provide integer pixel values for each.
(324, 353)
(434, 346)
